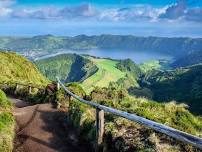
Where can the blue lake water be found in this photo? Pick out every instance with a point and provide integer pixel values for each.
(136, 56)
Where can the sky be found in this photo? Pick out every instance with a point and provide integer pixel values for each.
(165, 18)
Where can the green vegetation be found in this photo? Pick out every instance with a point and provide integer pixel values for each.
(91, 71)
(133, 74)
(182, 85)
(4, 103)
(107, 72)
(68, 67)
(7, 124)
(150, 65)
(16, 68)
(109, 82)
(170, 113)
(123, 135)
(148, 80)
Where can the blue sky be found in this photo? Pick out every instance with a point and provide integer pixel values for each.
(172, 18)
(111, 2)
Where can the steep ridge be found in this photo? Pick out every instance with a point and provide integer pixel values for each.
(68, 67)
(91, 71)
(14, 67)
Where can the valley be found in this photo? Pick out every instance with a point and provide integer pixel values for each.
(163, 87)
(153, 79)
(100, 76)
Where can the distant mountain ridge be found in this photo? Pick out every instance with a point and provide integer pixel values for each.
(172, 46)
(188, 60)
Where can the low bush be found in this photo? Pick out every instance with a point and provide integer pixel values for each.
(123, 135)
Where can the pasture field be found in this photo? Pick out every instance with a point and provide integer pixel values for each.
(107, 73)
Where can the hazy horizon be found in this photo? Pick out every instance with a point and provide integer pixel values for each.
(55, 35)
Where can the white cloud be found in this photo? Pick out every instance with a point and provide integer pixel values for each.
(83, 10)
(5, 9)
(133, 13)
(137, 12)
(181, 11)
(41, 13)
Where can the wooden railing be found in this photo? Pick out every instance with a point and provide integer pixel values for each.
(18, 84)
(100, 109)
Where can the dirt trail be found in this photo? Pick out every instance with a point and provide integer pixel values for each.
(40, 129)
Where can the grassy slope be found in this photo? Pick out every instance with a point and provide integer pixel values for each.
(150, 65)
(107, 73)
(7, 124)
(14, 67)
(171, 114)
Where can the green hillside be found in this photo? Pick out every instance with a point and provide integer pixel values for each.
(149, 66)
(91, 72)
(14, 67)
(107, 72)
(183, 85)
(123, 135)
(149, 79)
(68, 67)
(133, 75)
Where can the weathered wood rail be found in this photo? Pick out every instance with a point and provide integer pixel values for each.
(18, 84)
(100, 109)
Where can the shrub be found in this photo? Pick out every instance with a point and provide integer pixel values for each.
(124, 135)
(7, 124)
(4, 102)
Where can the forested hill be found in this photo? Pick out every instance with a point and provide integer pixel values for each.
(68, 67)
(183, 85)
(173, 46)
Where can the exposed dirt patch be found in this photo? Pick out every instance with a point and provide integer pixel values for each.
(40, 128)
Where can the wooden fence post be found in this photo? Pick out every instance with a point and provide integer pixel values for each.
(58, 86)
(29, 89)
(16, 89)
(99, 129)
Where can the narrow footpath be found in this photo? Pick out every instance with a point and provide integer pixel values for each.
(40, 128)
